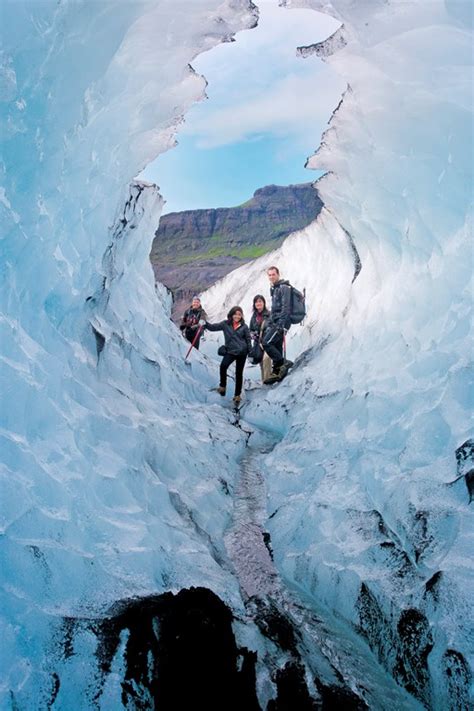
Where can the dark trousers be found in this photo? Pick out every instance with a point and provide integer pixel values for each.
(191, 335)
(273, 345)
(239, 370)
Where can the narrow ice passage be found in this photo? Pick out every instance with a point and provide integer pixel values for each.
(334, 665)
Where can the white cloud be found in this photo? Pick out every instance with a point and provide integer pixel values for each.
(291, 106)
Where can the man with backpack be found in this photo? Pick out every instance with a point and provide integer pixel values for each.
(190, 322)
(287, 308)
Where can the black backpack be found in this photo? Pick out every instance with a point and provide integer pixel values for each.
(297, 305)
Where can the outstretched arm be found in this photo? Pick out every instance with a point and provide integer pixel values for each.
(215, 326)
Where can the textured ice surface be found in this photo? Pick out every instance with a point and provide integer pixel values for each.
(116, 467)
(113, 484)
(368, 508)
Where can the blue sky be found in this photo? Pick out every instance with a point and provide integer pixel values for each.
(265, 112)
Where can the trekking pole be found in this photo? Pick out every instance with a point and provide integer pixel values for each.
(194, 341)
(284, 345)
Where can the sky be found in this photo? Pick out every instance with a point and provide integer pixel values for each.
(264, 115)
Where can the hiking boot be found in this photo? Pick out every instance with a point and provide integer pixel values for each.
(273, 378)
(289, 363)
(220, 390)
(282, 371)
(236, 399)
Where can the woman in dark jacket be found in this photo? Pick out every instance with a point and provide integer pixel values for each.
(237, 347)
(260, 316)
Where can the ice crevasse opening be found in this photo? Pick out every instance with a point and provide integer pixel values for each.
(104, 495)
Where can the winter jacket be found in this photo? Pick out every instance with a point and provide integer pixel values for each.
(191, 318)
(281, 303)
(256, 322)
(237, 340)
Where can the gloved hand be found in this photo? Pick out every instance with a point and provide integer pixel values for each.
(202, 322)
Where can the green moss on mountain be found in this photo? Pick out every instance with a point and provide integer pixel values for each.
(194, 248)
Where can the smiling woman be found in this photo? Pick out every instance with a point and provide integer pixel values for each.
(263, 113)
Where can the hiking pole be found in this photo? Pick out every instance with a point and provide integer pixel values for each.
(198, 332)
(284, 345)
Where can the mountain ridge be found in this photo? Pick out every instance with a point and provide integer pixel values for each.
(195, 248)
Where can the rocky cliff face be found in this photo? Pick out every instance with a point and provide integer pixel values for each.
(195, 248)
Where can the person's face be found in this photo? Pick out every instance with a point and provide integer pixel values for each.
(237, 317)
(273, 276)
(196, 303)
(259, 304)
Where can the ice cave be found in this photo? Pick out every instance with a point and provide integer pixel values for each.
(315, 551)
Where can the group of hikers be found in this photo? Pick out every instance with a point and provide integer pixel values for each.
(263, 340)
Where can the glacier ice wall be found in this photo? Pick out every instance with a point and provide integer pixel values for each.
(370, 485)
(104, 494)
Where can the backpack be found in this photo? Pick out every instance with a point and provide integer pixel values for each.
(297, 305)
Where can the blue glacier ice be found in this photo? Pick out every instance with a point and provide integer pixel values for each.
(124, 478)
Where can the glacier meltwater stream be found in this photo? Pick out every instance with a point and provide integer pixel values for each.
(311, 651)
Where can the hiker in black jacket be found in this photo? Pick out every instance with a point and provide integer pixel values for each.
(190, 322)
(277, 325)
(260, 317)
(237, 347)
